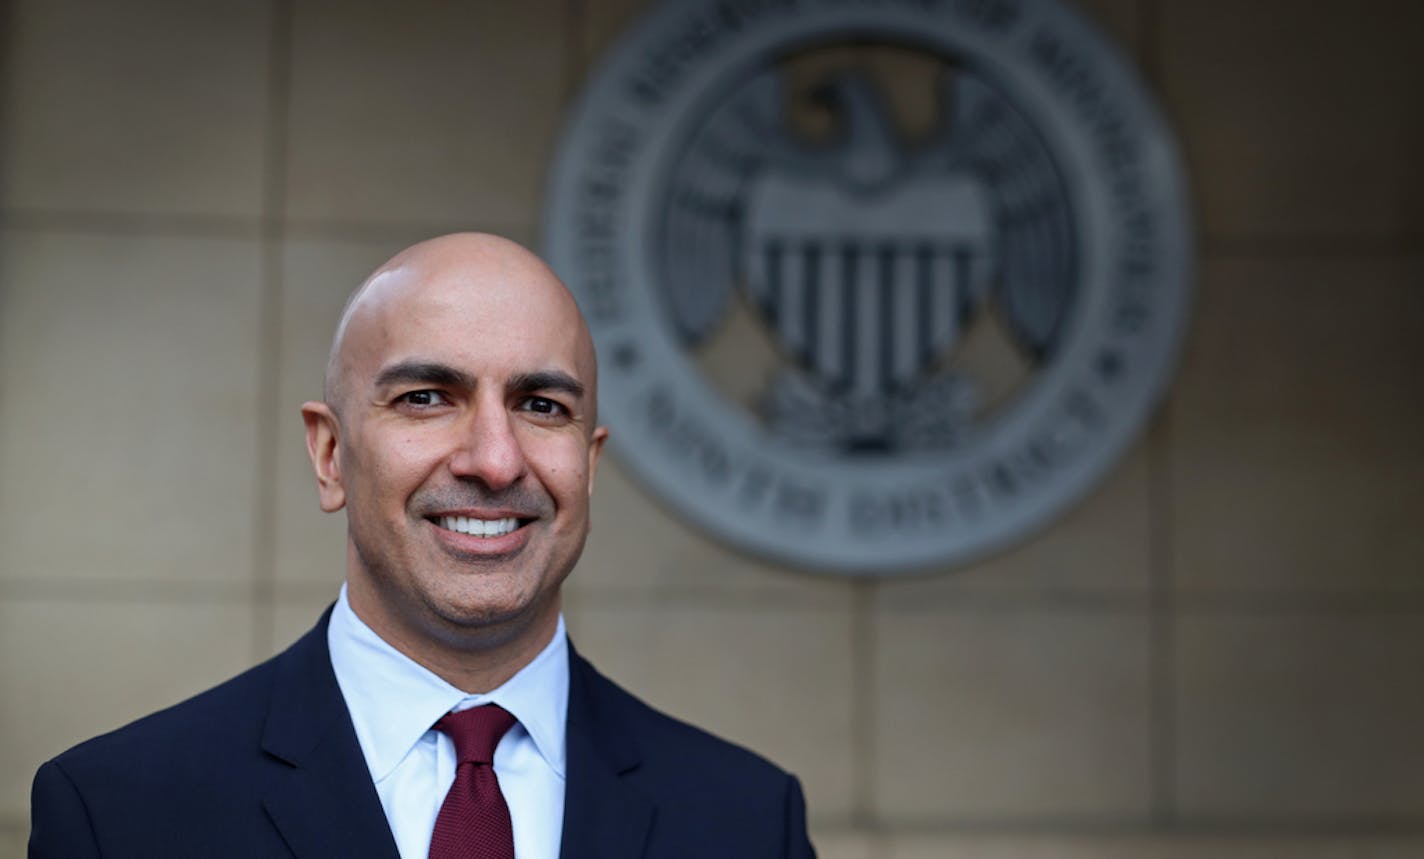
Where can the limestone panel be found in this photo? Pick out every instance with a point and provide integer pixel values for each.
(835, 843)
(637, 546)
(14, 837)
(1299, 119)
(1121, 20)
(424, 112)
(1001, 714)
(128, 388)
(1102, 545)
(605, 21)
(295, 615)
(1150, 847)
(72, 670)
(153, 106)
(1297, 428)
(1311, 717)
(779, 681)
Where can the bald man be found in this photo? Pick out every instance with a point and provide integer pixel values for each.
(459, 433)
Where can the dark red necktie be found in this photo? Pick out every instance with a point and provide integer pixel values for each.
(474, 821)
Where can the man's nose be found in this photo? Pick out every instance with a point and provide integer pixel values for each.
(489, 449)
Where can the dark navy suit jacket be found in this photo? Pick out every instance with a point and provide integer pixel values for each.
(268, 764)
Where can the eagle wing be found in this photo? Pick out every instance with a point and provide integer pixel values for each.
(699, 253)
(1037, 267)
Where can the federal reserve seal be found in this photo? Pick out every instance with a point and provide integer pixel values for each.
(877, 285)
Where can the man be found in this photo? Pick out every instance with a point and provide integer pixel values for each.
(459, 433)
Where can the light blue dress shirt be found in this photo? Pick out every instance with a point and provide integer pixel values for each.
(394, 701)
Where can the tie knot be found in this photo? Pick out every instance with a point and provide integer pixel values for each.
(476, 731)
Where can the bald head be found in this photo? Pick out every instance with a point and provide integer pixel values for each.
(474, 279)
(460, 436)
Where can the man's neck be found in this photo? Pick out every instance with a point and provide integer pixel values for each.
(475, 661)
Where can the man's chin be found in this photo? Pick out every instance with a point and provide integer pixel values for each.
(482, 624)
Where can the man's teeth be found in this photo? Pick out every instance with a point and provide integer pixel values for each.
(479, 527)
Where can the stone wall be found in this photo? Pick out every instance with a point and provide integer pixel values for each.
(1218, 654)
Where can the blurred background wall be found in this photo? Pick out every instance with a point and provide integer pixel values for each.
(1219, 653)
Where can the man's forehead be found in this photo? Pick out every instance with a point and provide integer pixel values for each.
(467, 299)
(485, 337)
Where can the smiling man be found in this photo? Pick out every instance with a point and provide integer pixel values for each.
(438, 708)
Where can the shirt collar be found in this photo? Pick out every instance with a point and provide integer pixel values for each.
(394, 701)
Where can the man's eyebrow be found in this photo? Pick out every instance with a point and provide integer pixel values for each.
(547, 380)
(424, 372)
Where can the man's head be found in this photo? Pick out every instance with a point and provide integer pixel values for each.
(459, 432)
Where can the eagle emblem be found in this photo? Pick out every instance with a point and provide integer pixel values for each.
(868, 256)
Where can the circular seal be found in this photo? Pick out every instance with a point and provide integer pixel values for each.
(876, 285)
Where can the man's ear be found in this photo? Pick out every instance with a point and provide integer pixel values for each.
(324, 448)
(595, 448)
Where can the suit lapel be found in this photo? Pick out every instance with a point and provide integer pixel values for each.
(323, 801)
(604, 816)
(324, 804)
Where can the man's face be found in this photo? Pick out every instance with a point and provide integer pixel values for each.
(465, 451)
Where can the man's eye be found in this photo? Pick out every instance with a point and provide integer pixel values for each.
(544, 406)
(422, 399)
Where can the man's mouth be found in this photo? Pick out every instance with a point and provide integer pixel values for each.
(478, 527)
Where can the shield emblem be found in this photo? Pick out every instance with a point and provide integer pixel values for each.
(865, 291)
